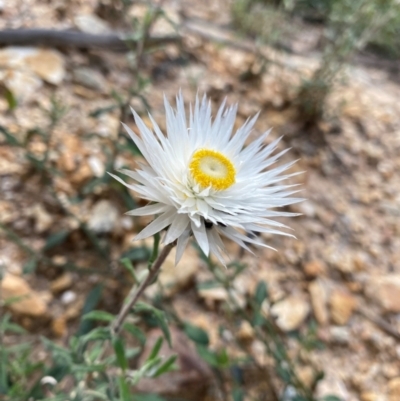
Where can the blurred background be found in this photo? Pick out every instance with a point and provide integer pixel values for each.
(317, 320)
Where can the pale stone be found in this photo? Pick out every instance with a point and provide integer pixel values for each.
(386, 291)
(340, 335)
(89, 78)
(22, 84)
(214, 294)
(342, 305)
(23, 299)
(97, 166)
(332, 385)
(245, 332)
(306, 374)
(103, 218)
(90, 23)
(394, 389)
(173, 277)
(62, 283)
(291, 312)
(314, 268)
(319, 299)
(43, 220)
(68, 297)
(370, 396)
(47, 64)
(108, 126)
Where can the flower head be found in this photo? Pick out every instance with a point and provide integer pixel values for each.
(201, 179)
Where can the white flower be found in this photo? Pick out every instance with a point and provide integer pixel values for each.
(201, 180)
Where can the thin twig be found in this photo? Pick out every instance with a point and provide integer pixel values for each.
(60, 38)
(382, 324)
(135, 294)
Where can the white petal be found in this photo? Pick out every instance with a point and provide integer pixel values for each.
(201, 237)
(157, 225)
(182, 242)
(178, 226)
(148, 210)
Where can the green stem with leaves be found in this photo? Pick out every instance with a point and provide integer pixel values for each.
(135, 294)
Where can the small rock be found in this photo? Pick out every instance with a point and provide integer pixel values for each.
(175, 277)
(44, 63)
(332, 385)
(370, 396)
(314, 268)
(245, 332)
(103, 217)
(385, 290)
(394, 389)
(25, 300)
(213, 295)
(307, 208)
(319, 300)
(342, 305)
(89, 78)
(306, 374)
(108, 126)
(68, 297)
(97, 166)
(81, 175)
(90, 23)
(59, 326)
(191, 379)
(341, 259)
(290, 312)
(62, 283)
(43, 220)
(340, 335)
(47, 64)
(22, 84)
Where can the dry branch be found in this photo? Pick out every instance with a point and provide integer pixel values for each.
(61, 38)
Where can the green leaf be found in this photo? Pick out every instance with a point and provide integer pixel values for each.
(238, 394)
(284, 374)
(135, 332)
(10, 138)
(30, 266)
(11, 100)
(55, 239)
(128, 266)
(102, 110)
(137, 254)
(331, 398)
(196, 334)
(154, 253)
(99, 333)
(14, 328)
(261, 293)
(119, 350)
(3, 371)
(258, 319)
(99, 315)
(148, 397)
(167, 366)
(124, 389)
(223, 358)
(156, 348)
(91, 302)
(159, 316)
(209, 356)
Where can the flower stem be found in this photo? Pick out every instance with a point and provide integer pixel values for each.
(134, 295)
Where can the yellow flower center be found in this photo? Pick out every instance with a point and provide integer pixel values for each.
(212, 168)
